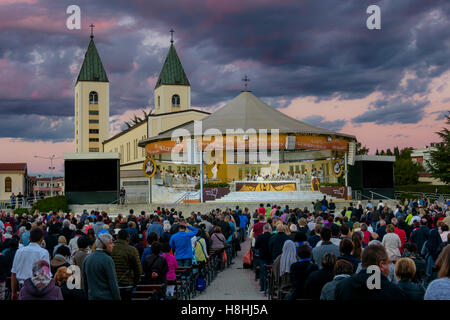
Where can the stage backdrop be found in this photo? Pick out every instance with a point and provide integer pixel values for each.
(91, 181)
(265, 186)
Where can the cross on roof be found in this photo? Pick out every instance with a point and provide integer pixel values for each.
(171, 35)
(246, 80)
(92, 30)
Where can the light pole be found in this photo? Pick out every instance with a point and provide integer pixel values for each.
(51, 170)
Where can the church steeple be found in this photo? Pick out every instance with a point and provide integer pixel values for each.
(172, 90)
(92, 68)
(172, 72)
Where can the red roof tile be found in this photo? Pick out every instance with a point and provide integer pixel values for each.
(13, 166)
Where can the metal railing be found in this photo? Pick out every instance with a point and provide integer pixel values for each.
(379, 195)
(357, 195)
(187, 196)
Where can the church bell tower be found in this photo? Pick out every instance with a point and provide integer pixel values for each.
(91, 102)
(172, 90)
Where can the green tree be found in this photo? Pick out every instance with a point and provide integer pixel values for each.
(439, 166)
(405, 153)
(389, 152)
(377, 153)
(382, 153)
(406, 172)
(361, 150)
(396, 153)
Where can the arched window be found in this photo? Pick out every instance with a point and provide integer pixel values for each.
(8, 184)
(175, 100)
(93, 97)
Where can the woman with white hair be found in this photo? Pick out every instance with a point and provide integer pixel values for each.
(165, 237)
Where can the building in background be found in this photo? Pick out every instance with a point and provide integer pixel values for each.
(43, 187)
(14, 179)
(421, 156)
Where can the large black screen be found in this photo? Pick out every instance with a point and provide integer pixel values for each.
(91, 175)
(378, 174)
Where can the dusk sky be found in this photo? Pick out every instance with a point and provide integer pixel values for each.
(314, 60)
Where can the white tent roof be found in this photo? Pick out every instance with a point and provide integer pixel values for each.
(245, 112)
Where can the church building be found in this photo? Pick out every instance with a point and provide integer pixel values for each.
(172, 101)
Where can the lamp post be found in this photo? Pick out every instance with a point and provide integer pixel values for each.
(51, 170)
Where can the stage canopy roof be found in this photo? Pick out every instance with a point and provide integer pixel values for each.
(245, 112)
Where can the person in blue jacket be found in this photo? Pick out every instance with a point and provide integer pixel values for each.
(181, 244)
(242, 225)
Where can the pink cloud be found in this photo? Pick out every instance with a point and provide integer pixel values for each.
(24, 151)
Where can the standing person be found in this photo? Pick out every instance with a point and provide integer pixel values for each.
(420, 235)
(6, 260)
(155, 266)
(300, 271)
(24, 259)
(41, 285)
(25, 237)
(19, 200)
(346, 248)
(326, 247)
(263, 256)
(277, 241)
(356, 288)
(98, 226)
(181, 244)
(342, 270)
(392, 243)
(439, 289)
(218, 240)
(281, 267)
(122, 195)
(317, 279)
(12, 199)
(257, 229)
(127, 264)
(405, 270)
(155, 227)
(172, 264)
(81, 253)
(99, 274)
(243, 221)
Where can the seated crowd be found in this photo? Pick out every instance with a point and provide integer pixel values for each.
(357, 253)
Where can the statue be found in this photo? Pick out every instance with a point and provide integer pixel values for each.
(214, 172)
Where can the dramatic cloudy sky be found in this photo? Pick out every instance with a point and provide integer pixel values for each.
(315, 60)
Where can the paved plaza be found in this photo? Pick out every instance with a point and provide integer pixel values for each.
(234, 283)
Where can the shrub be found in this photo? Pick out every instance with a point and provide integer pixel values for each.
(51, 204)
(330, 184)
(21, 211)
(423, 188)
(406, 195)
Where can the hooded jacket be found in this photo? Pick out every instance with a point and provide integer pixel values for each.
(30, 292)
(355, 288)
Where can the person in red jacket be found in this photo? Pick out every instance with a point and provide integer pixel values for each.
(401, 233)
(258, 227)
(261, 209)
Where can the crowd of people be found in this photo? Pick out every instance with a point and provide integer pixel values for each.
(310, 253)
(40, 253)
(330, 254)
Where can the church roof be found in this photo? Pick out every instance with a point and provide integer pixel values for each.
(13, 167)
(92, 68)
(245, 112)
(172, 71)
